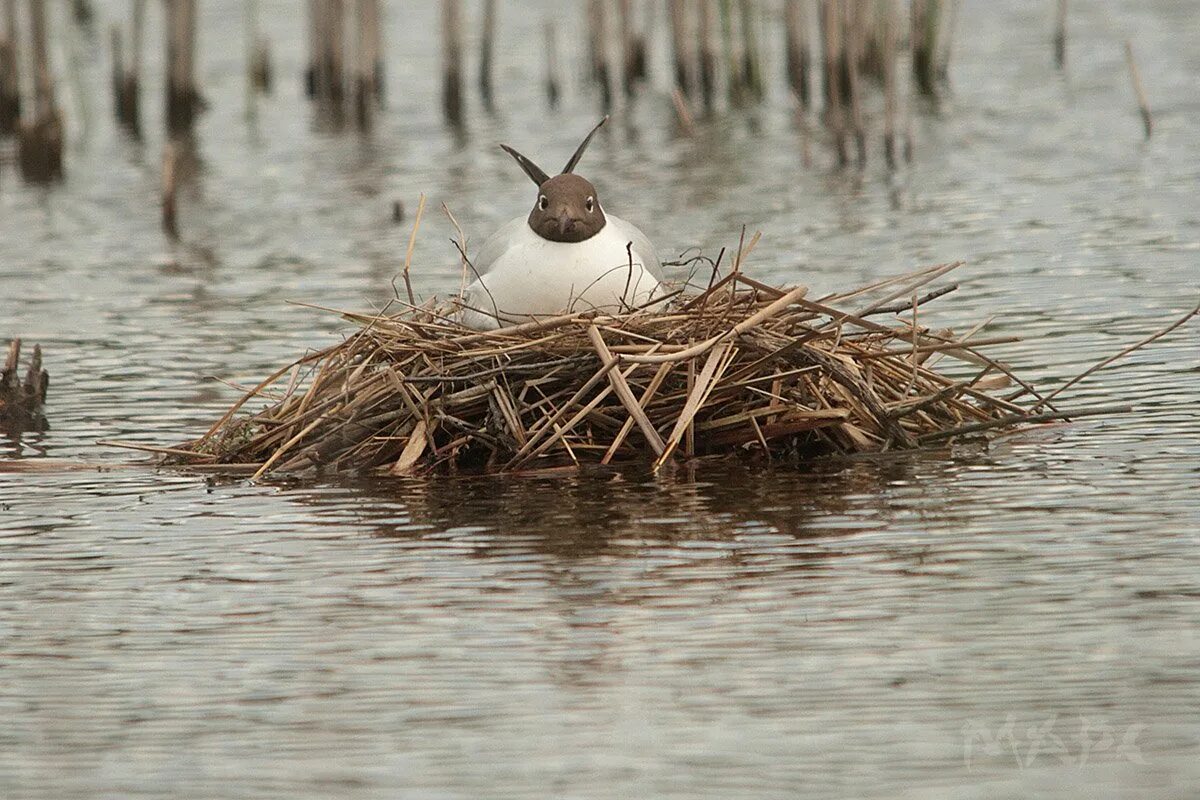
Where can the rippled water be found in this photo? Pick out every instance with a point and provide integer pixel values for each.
(1012, 621)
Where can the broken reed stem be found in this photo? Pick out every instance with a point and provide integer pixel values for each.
(1024, 419)
(797, 51)
(680, 45)
(412, 241)
(21, 401)
(888, 57)
(117, 53)
(832, 47)
(312, 69)
(629, 48)
(170, 179)
(925, 29)
(852, 25)
(735, 62)
(751, 58)
(553, 87)
(683, 114)
(870, 19)
(835, 46)
(946, 29)
(326, 74)
(367, 62)
(1186, 318)
(133, 81)
(641, 66)
(258, 55)
(707, 67)
(1140, 90)
(182, 95)
(40, 140)
(43, 80)
(333, 54)
(487, 41)
(452, 80)
(10, 76)
(126, 78)
(83, 12)
(1060, 35)
(598, 49)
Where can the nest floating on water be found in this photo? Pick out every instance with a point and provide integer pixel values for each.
(740, 367)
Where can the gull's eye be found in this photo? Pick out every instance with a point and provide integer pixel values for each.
(590, 204)
(543, 203)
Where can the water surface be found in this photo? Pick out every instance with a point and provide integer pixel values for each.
(1011, 621)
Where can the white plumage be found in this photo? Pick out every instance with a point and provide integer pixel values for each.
(522, 276)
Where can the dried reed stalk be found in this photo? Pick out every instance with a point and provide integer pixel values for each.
(21, 401)
(926, 27)
(83, 12)
(258, 53)
(707, 67)
(1060, 34)
(740, 368)
(852, 25)
(683, 114)
(1136, 77)
(871, 16)
(312, 69)
(330, 74)
(10, 75)
(368, 59)
(795, 27)
(487, 42)
(553, 81)
(946, 31)
(735, 61)
(629, 48)
(183, 98)
(832, 48)
(169, 189)
(40, 139)
(888, 65)
(598, 51)
(117, 51)
(751, 57)
(452, 79)
(127, 76)
(681, 45)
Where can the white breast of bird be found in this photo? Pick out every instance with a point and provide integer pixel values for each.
(532, 277)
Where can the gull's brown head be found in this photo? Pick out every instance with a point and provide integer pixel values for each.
(567, 208)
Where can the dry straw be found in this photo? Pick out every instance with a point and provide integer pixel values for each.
(740, 367)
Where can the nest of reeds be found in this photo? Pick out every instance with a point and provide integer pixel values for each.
(738, 368)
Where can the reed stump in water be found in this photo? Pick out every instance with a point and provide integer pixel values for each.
(740, 368)
(21, 401)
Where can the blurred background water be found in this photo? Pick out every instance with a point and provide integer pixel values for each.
(1010, 621)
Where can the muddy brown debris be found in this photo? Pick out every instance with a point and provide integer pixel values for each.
(22, 400)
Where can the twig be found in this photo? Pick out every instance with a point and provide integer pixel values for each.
(906, 306)
(1016, 419)
(1139, 89)
(412, 241)
(1060, 35)
(1176, 324)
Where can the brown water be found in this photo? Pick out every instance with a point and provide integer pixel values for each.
(1013, 621)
